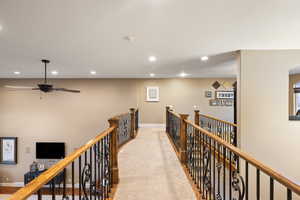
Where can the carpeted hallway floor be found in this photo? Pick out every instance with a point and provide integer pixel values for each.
(149, 169)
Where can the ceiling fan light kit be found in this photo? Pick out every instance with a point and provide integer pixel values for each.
(45, 87)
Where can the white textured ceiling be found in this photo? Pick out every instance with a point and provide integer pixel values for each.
(83, 35)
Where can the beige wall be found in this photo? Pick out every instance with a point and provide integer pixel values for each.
(66, 117)
(267, 134)
(76, 118)
(183, 94)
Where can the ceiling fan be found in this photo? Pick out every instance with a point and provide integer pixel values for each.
(44, 87)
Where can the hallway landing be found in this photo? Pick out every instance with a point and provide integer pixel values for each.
(149, 169)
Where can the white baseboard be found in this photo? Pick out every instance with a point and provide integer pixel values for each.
(14, 184)
(146, 125)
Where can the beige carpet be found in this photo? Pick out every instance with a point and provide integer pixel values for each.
(149, 169)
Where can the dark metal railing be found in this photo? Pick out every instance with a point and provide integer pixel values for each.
(136, 119)
(173, 127)
(221, 171)
(91, 171)
(223, 129)
(124, 129)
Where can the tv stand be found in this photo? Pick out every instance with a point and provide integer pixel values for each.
(57, 180)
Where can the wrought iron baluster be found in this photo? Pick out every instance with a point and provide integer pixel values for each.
(247, 179)
(224, 171)
(39, 194)
(198, 158)
(193, 155)
(206, 175)
(64, 183)
(289, 194)
(73, 195)
(106, 167)
(238, 184)
(85, 178)
(214, 170)
(200, 161)
(91, 171)
(203, 164)
(257, 184)
(271, 188)
(219, 168)
(102, 169)
(230, 172)
(95, 171)
(109, 162)
(98, 157)
(210, 163)
(79, 168)
(53, 189)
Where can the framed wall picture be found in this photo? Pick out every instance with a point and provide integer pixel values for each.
(221, 102)
(9, 150)
(152, 94)
(208, 94)
(224, 95)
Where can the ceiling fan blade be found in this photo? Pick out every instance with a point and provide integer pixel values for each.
(19, 87)
(66, 90)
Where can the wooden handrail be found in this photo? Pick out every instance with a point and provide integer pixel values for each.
(174, 113)
(223, 121)
(269, 171)
(48, 175)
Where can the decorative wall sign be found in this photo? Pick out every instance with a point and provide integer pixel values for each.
(208, 94)
(221, 102)
(226, 85)
(153, 94)
(224, 95)
(8, 150)
(216, 85)
(234, 85)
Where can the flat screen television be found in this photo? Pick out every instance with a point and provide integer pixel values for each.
(50, 150)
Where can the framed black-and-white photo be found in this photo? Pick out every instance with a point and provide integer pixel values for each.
(8, 150)
(224, 95)
(152, 94)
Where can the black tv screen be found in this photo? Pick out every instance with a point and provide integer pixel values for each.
(50, 150)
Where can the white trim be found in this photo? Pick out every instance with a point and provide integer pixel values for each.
(14, 184)
(146, 125)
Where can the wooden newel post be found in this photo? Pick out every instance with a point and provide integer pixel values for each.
(114, 122)
(197, 117)
(183, 138)
(167, 119)
(132, 126)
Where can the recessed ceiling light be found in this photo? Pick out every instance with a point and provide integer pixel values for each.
(204, 58)
(93, 72)
(152, 59)
(54, 72)
(17, 72)
(1, 27)
(152, 74)
(182, 74)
